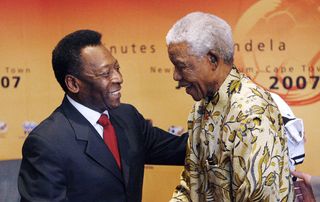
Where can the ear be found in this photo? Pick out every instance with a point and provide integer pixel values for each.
(213, 59)
(72, 83)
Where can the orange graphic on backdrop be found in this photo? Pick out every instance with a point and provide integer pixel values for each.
(279, 48)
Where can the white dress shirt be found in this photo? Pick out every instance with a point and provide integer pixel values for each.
(91, 115)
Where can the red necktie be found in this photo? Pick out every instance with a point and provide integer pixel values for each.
(109, 137)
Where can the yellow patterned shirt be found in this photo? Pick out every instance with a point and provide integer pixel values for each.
(236, 150)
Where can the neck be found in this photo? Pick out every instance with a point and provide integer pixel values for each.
(85, 103)
(221, 74)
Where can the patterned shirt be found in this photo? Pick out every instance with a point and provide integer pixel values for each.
(237, 150)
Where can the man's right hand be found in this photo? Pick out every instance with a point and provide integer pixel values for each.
(302, 187)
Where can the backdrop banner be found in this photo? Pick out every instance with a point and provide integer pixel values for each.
(277, 44)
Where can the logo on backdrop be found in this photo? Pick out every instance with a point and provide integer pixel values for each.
(28, 126)
(3, 127)
(277, 45)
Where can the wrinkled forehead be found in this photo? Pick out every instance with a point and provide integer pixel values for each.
(179, 49)
(180, 52)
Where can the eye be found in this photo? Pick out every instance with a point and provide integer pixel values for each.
(184, 68)
(105, 74)
(180, 66)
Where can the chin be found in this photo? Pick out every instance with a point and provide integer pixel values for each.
(196, 98)
(195, 94)
(112, 103)
(114, 106)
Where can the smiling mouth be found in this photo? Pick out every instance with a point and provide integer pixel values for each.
(116, 92)
(183, 85)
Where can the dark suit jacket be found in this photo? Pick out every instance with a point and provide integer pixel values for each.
(9, 170)
(65, 159)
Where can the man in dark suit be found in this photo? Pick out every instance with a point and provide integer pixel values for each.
(66, 159)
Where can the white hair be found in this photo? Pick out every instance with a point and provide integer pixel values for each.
(203, 32)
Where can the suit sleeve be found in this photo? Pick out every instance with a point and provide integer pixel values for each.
(41, 176)
(162, 148)
(182, 191)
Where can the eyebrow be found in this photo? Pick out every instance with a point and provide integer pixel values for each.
(112, 65)
(177, 60)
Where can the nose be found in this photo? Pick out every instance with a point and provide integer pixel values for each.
(176, 75)
(117, 77)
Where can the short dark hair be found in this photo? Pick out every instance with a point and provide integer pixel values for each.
(66, 56)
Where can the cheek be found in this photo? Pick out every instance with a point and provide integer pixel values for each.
(190, 76)
(201, 82)
(194, 78)
(105, 87)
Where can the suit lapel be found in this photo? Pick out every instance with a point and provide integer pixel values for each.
(95, 148)
(123, 145)
(98, 151)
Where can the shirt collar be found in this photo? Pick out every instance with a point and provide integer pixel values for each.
(91, 115)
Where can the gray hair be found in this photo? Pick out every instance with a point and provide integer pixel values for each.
(203, 32)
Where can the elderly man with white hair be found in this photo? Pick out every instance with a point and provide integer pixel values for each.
(237, 150)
